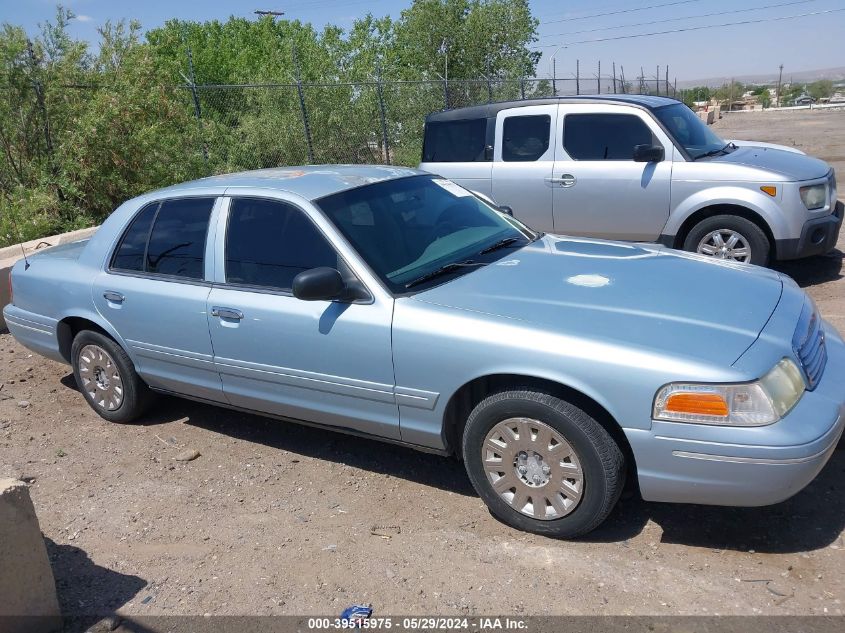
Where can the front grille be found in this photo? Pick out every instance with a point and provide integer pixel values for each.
(808, 343)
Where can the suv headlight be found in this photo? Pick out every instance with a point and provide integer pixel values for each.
(758, 403)
(814, 196)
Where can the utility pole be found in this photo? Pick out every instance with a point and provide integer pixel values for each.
(667, 80)
(577, 76)
(780, 77)
(657, 80)
(598, 79)
(554, 75)
(622, 72)
(614, 77)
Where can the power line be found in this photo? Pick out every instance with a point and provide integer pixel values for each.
(691, 28)
(689, 17)
(620, 11)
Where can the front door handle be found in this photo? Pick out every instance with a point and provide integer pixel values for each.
(227, 313)
(113, 297)
(564, 180)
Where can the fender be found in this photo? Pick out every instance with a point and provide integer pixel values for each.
(99, 320)
(733, 195)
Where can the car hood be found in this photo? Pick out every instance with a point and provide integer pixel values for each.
(790, 165)
(647, 296)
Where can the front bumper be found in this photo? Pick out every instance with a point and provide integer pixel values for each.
(817, 237)
(680, 463)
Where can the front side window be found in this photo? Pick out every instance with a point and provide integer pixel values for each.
(409, 227)
(269, 242)
(461, 141)
(525, 138)
(689, 131)
(605, 136)
(167, 238)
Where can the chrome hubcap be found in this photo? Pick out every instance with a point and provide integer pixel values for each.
(533, 468)
(100, 377)
(725, 244)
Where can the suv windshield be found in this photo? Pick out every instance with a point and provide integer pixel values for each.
(413, 230)
(689, 131)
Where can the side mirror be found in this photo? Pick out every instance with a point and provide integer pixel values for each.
(648, 153)
(507, 210)
(318, 284)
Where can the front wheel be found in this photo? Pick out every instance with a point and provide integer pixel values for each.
(542, 464)
(729, 237)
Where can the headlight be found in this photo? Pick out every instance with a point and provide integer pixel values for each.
(814, 196)
(747, 404)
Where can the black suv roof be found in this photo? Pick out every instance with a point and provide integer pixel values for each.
(488, 110)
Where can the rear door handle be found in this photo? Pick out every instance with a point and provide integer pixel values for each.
(227, 313)
(113, 297)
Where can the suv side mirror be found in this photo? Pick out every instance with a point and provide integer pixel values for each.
(648, 153)
(318, 284)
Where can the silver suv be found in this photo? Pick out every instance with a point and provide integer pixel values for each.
(639, 168)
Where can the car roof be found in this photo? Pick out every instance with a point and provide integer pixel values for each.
(488, 110)
(309, 181)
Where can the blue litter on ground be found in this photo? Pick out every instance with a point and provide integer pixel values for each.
(357, 612)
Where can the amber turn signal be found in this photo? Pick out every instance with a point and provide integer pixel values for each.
(769, 189)
(697, 403)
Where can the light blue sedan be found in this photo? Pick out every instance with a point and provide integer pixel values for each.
(394, 304)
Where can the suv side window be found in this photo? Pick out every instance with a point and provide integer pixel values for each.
(605, 136)
(166, 238)
(455, 141)
(525, 138)
(269, 242)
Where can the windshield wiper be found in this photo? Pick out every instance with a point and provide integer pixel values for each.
(500, 244)
(448, 268)
(713, 152)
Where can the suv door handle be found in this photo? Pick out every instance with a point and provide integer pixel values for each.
(113, 297)
(227, 313)
(564, 180)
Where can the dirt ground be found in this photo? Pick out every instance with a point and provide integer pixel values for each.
(275, 518)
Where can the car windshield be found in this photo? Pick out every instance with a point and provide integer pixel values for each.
(408, 229)
(689, 131)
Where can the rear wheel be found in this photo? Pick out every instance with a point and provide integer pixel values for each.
(729, 237)
(541, 464)
(106, 377)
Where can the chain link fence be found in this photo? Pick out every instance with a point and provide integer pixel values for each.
(269, 125)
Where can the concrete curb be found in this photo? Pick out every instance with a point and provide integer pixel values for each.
(28, 600)
(11, 254)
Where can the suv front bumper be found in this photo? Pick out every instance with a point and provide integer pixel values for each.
(817, 237)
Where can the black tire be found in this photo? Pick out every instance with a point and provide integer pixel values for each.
(601, 461)
(136, 396)
(750, 232)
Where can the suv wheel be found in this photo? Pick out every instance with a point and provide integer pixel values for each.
(729, 237)
(106, 377)
(541, 464)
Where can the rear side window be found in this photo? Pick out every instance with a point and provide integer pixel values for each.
(167, 238)
(455, 141)
(129, 255)
(605, 136)
(525, 138)
(268, 243)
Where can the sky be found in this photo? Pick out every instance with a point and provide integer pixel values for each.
(800, 43)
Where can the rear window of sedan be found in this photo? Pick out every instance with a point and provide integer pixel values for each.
(166, 238)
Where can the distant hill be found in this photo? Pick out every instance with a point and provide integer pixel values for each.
(804, 76)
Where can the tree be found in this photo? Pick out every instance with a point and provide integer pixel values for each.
(821, 89)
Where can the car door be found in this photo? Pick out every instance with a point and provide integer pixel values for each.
(523, 162)
(599, 190)
(327, 362)
(154, 290)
